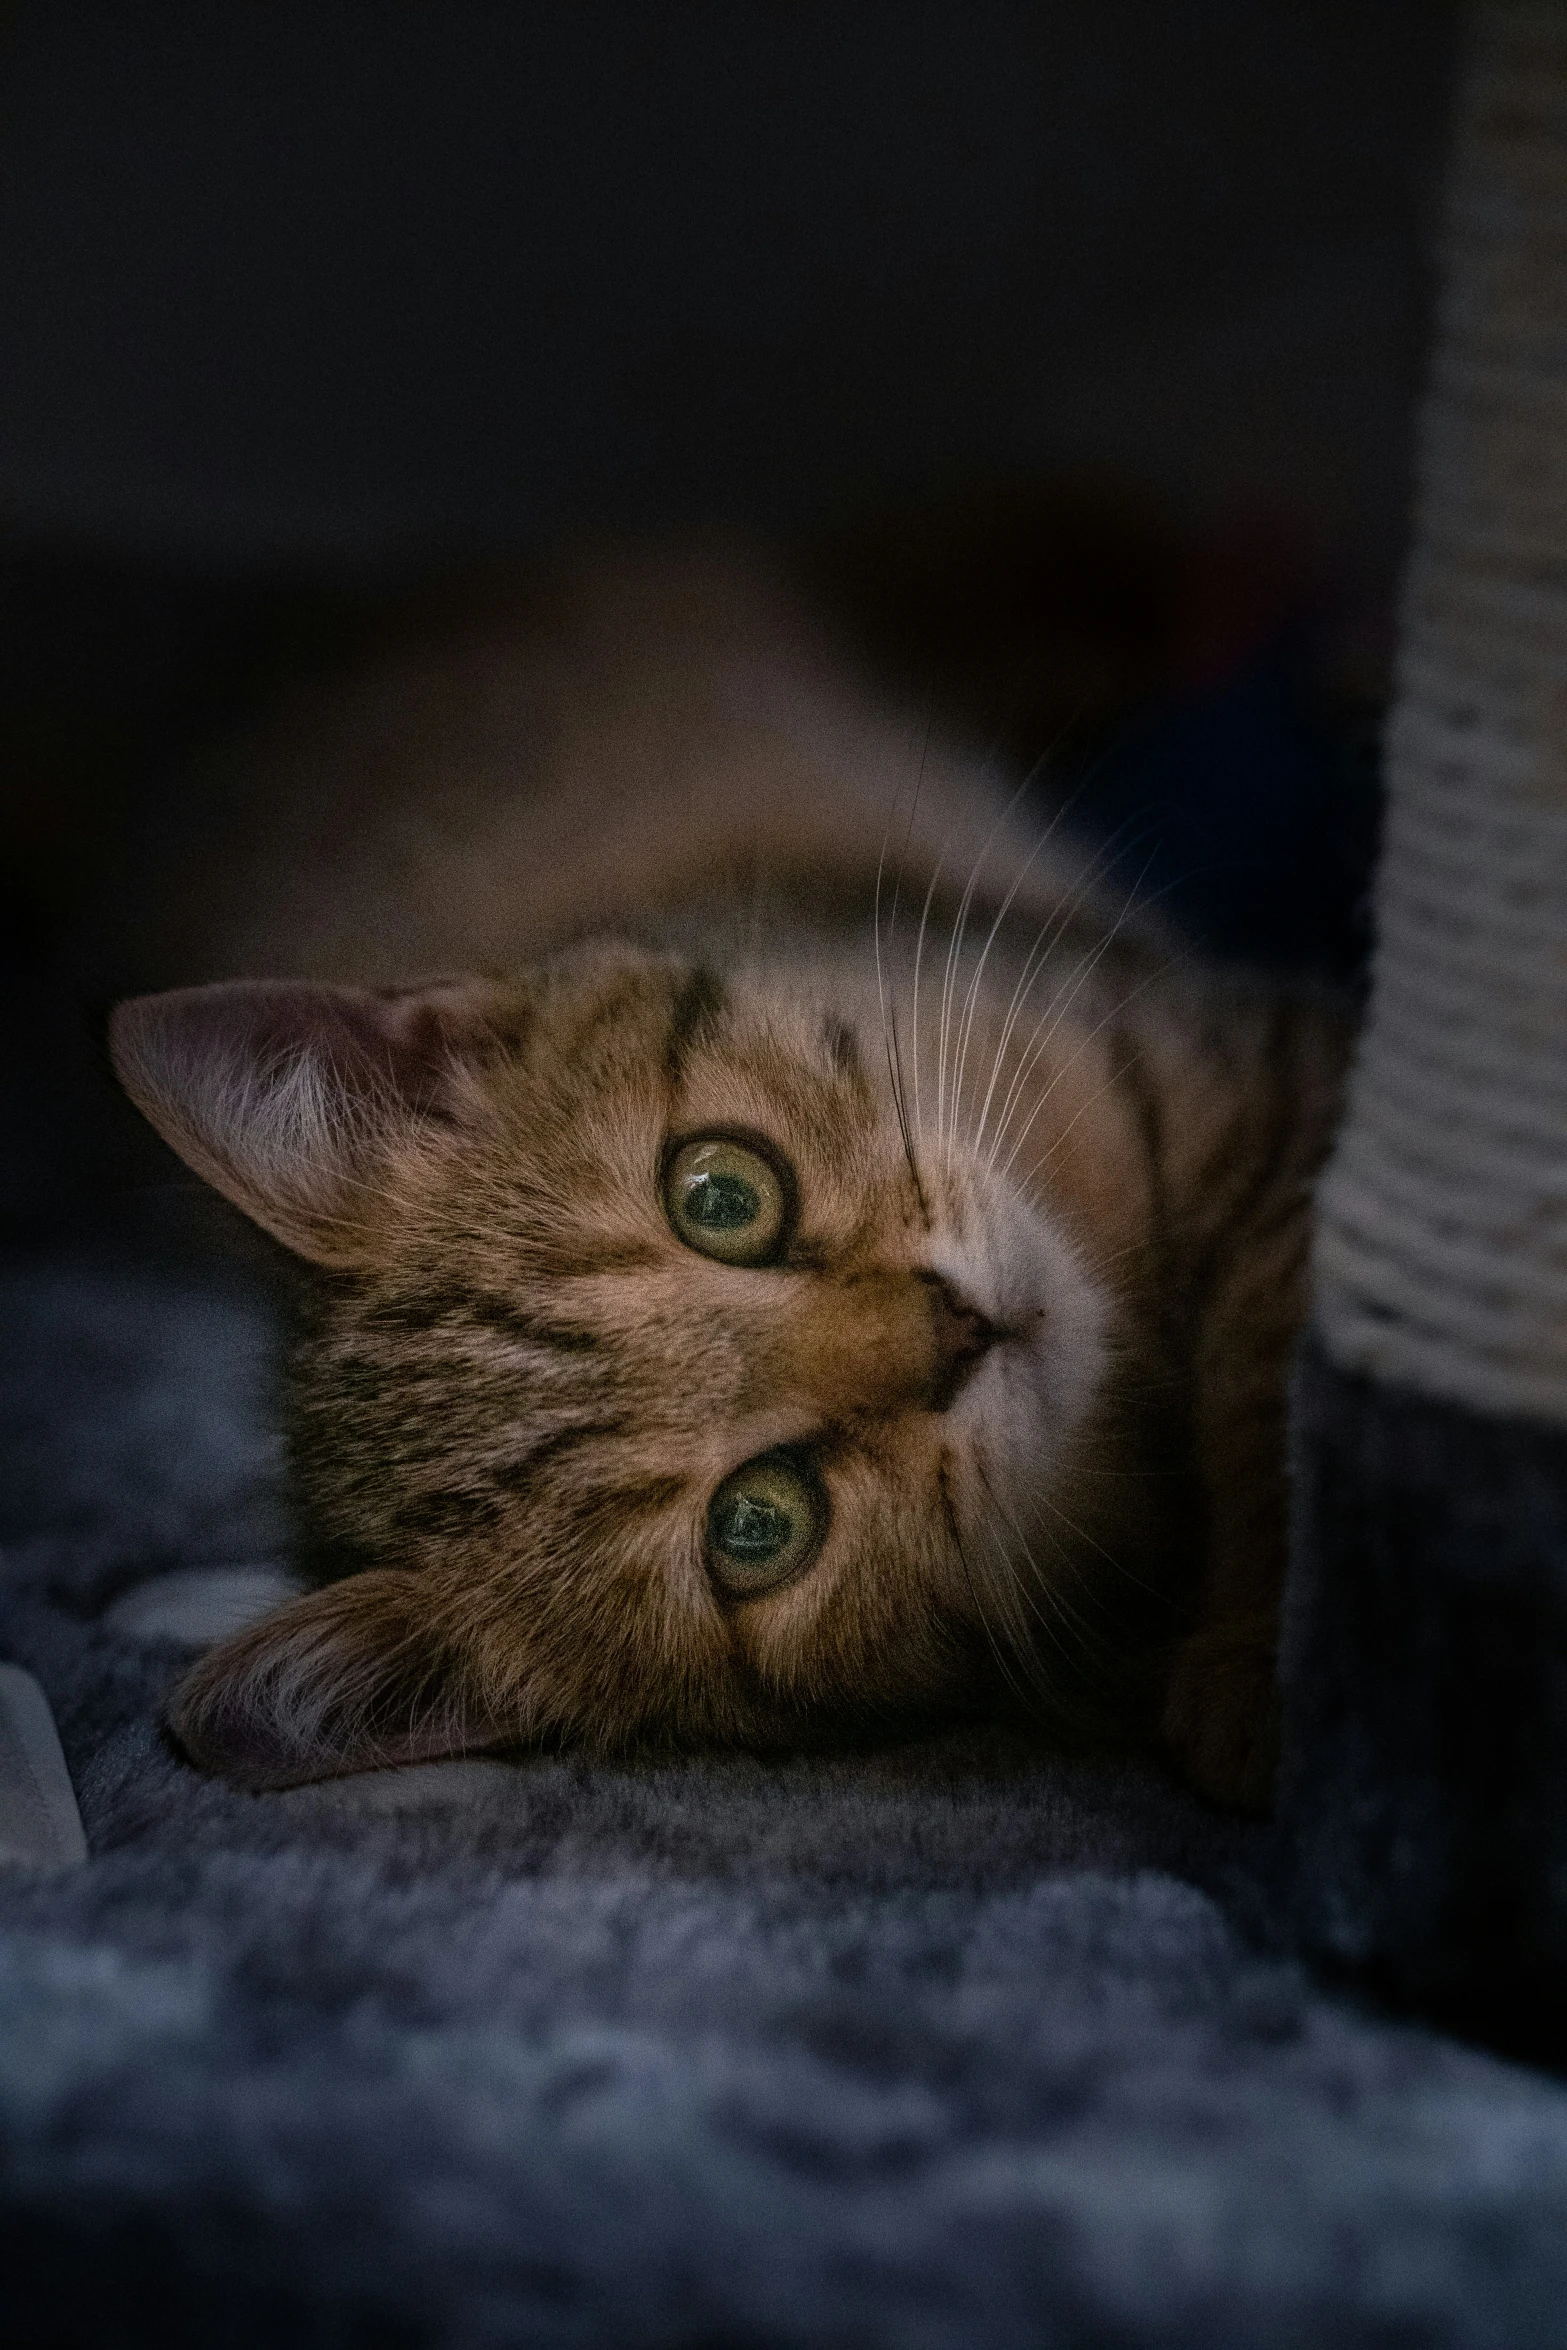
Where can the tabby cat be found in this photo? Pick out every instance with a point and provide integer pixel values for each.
(804, 1264)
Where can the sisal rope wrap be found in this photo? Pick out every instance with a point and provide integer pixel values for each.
(1441, 1251)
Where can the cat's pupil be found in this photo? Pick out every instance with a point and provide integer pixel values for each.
(726, 1201)
(721, 1203)
(751, 1528)
(765, 1523)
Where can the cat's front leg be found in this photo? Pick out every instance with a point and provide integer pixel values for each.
(1221, 1711)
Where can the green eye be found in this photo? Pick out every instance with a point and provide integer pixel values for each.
(765, 1523)
(726, 1201)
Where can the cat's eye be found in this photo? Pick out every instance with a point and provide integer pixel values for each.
(765, 1523)
(726, 1200)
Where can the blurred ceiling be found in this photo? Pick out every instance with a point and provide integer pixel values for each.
(341, 282)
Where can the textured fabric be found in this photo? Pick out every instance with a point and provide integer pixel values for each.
(194, 1606)
(953, 2045)
(40, 1826)
(1441, 1257)
(1425, 1788)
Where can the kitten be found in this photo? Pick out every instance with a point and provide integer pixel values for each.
(818, 1269)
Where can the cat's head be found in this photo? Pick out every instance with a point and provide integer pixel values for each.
(657, 1389)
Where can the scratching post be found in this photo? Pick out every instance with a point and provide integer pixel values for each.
(1425, 1773)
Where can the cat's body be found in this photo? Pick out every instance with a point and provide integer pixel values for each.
(837, 1173)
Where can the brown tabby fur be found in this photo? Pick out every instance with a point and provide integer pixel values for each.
(653, 805)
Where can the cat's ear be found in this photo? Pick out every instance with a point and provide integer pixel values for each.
(285, 1096)
(351, 1678)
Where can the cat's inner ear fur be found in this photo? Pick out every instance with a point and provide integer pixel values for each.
(287, 1096)
(350, 1678)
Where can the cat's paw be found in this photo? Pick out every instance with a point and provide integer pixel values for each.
(1221, 1714)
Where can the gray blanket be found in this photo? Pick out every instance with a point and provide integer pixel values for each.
(951, 2045)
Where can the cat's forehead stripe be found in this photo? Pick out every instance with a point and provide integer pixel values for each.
(521, 1472)
(698, 1007)
(843, 1048)
(449, 1509)
(452, 1305)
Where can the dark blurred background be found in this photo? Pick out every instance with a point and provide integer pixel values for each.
(1069, 351)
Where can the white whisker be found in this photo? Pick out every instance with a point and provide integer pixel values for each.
(1116, 1565)
(919, 950)
(1042, 1588)
(1048, 1025)
(946, 1116)
(889, 1020)
(1113, 1014)
(1035, 962)
(1005, 1661)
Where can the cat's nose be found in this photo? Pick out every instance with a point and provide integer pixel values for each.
(880, 1344)
(961, 1336)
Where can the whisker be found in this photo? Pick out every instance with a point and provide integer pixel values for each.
(909, 1150)
(891, 1041)
(1004, 1663)
(1044, 1032)
(1037, 1166)
(1013, 1603)
(919, 950)
(1022, 1645)
(908, 835)
(1074, 981)
(1113, 1014)
(966, 1023)
(888, 1027)
(899, 1099)
(971, 1000)
(1049, 1023)
(954, 942)
(1030, 1592)
(1042, 1588)
(1035, 962)
(944, 1123)
(1117, 1566)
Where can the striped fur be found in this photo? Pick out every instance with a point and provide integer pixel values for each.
(1000, 1112)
